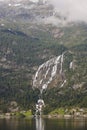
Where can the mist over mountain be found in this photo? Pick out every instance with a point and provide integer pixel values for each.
(74, 10)
(31, 11)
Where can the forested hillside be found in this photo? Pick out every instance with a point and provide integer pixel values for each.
(26, 44)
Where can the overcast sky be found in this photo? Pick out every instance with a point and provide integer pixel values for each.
(74, 9)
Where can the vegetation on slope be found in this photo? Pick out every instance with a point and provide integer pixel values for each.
(22, 50)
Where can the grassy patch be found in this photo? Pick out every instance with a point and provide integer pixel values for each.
(59, 111)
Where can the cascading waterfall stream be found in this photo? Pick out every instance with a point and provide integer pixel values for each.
(62, 59)
(47, 71)
(45, 74)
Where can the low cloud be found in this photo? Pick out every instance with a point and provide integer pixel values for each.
(75, 10)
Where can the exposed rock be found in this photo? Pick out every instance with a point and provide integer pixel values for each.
(50, 74)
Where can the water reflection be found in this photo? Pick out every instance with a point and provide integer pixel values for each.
(39, 123)
(66, 124)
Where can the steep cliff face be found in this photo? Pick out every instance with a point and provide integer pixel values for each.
(28, 11)
(30, 43)
(62, 71)
(51, 74)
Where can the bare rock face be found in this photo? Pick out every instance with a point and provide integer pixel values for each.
(50, 73)
(13, 107)
(30, 11)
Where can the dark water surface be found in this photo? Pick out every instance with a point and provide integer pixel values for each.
(43, 124)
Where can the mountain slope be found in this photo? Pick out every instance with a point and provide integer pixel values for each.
(27, 42)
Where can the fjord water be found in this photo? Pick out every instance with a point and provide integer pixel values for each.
(43, 124)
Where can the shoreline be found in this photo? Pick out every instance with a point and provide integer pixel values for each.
(66, 116)
(2, 116)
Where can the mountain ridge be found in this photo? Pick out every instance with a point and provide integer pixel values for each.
(26, 44)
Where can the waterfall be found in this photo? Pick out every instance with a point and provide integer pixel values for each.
(39, 106)
(62, 59)
(47, 72)
(63, 84)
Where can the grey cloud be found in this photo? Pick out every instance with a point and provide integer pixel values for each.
(73, 9)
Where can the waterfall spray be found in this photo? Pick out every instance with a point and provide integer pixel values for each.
(45, 74)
